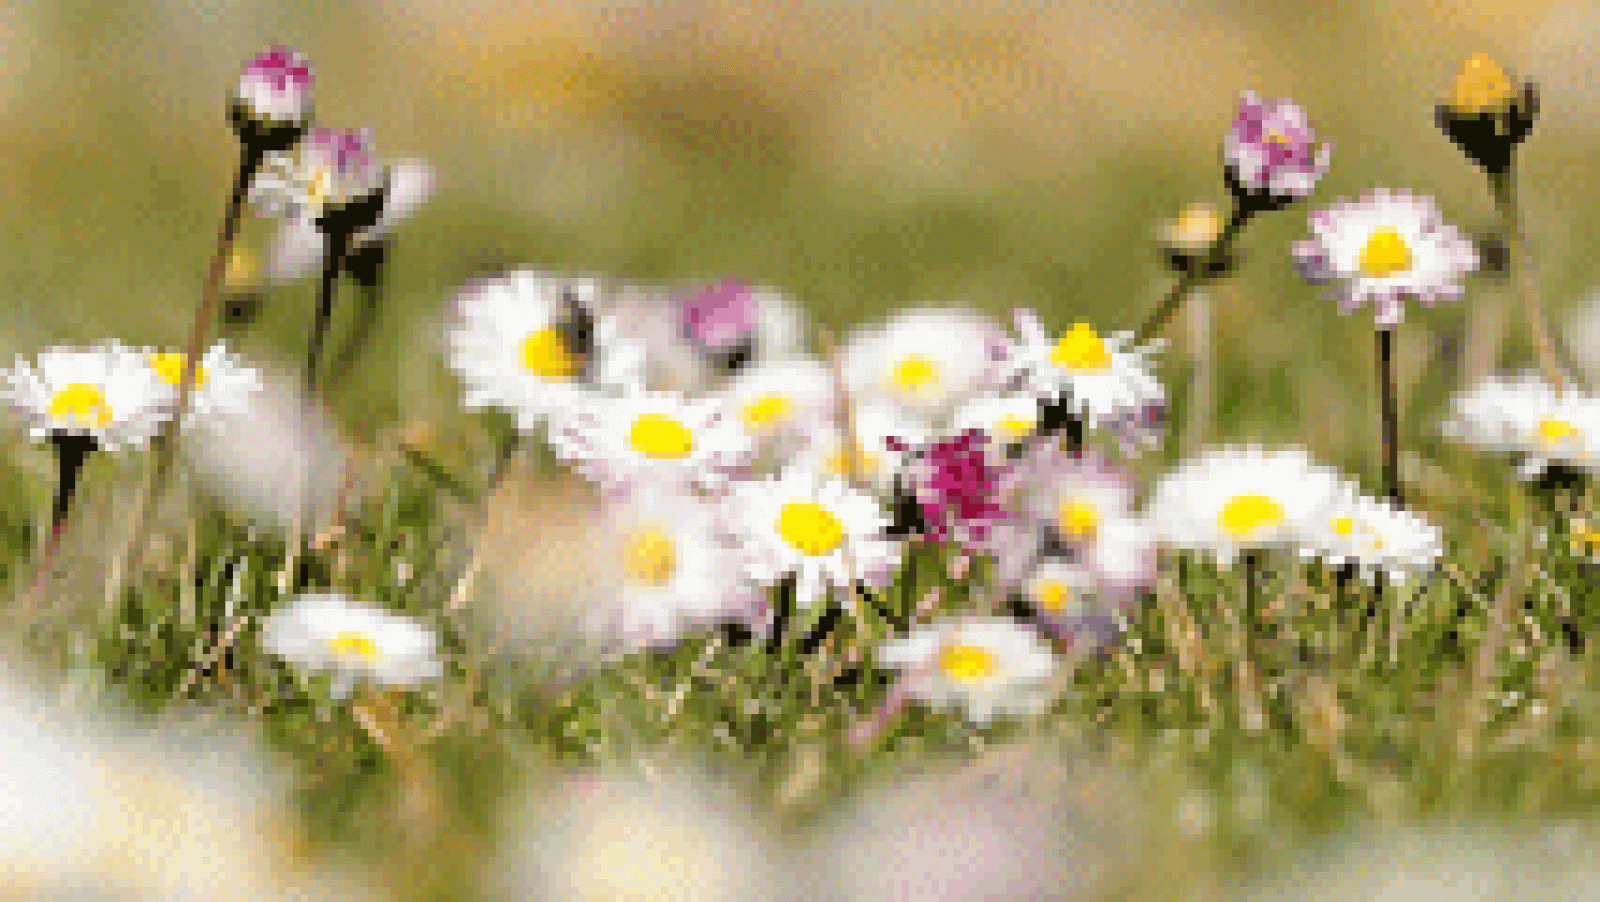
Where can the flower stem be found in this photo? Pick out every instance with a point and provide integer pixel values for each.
(251, 155)
(1192, 277)
(1391, 421)
(338, 242)
(1505, 201)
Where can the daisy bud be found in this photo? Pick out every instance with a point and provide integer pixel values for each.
(272, 100)
(1271, 155)
(719, 318)
(1187, 240)
(1487, 116)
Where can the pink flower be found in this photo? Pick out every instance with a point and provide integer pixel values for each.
(276, 86)
(1272, 150)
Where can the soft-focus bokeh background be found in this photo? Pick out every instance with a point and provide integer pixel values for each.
(861, 156)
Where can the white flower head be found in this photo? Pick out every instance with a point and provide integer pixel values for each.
(1521, 415)
(356, 641)
(275, 87)
(108, 392)
(326, 169)
(222, 386)
(1386, 247)
(782, 403)
(299, 248)
(532, 343)
(1106, 382)
(873, 460)
(1233, 499)
(648, 317)
(804, 524)
(1375, 536)
(985, 665)
(1068, 598)
(1007, 419)
(660, 437)
(668, 569)
(927, 361)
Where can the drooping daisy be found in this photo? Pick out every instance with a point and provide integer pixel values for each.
(300, 246)
(781, 403)
(926, 361)
(1374, 535)
(222, 386)
(1104, 381)
(358, 642)
(1521, 415)
(805, 523)
(985, 665)
(328, 169)
(1233, 499)
(668, 568)
(108, 393)
(644, 437)
(733, 324)
(873, 460)
(1385, 247)
(531, 343)
(1487, 115)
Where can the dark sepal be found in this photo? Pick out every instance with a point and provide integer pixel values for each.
(1489, 139)
(71, 451)
(263, 137)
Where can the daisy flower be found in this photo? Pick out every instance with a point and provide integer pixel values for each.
(873, 460)
(668, 569)
(652, 437)
(985, 665)
(330, 168)
(955, 487)
(356, 641)
(926, 361)
(804, 523)
(1374, 535)
(1067, 598)
(531, 343)
(1271, 151)
(222, 386)
(1521, 415)
(1008, 418)
(108, 393)
(275, 88)
(1233, 499)
(781, 404)
(1386, 247)
(648, 318)
(1103, 380)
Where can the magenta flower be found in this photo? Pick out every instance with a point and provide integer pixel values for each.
(956, 487)
(275, 87)
(1272, 152)
(719, 317)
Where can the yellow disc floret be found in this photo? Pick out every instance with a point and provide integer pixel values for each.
(1482, 86)
(650, 558)
(1077, 519)
(914, 373)
(82, 402)
(169, 367)
(347, 643)
(660, 437)
(1246, 515)
(967, 663)
(1080, 349)
(1384, 254)
(810, 527)
(766, 411)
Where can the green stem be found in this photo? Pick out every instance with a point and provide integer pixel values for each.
(1505, 200)
(1196, 275)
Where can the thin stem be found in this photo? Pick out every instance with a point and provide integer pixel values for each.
(1505, 200)
(337, 243)
(1193, 276)
(1391, 421)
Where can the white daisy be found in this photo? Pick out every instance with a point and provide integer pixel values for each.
(530, 342)
(108, 392)
(1068, 598)
(652, 437)
(1234, 499)
(876, 463)
(804, 524)
(1123, 556)
(327, 168)
(648, 318)
(927, 361)
(984, 664)
(1007, 419)
(1106, 382)
(1521, 415)
(222, 386)
(1385, 247)
(356, 641)
(668, 568)
(299, 249)
(782, 404)
(1375, 536)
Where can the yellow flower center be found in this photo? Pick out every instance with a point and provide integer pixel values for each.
(914, 373)
(1200, 223)
(1344, 525)
(1246, 515)
(1277, 137)
(169, 366)
(842, 463)
(84, 402)
(1077, 519)
(660, 437)
(353, 643)
(1482, 86)
(1014, 428)
(810, 527)
(1053, 594)
(321, 187)
(1384, 254)
(967, 663)
(544, 353)
(650, 558)
(1080, 349)
(1552, 430)
(241, 267)
(766, 411)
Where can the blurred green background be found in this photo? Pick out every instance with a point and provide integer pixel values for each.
(863, 157)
